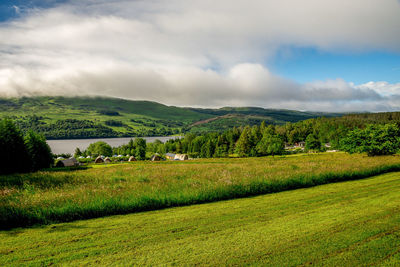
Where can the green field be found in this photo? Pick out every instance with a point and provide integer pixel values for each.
(352, 223)
(61, 195)
(113, 117)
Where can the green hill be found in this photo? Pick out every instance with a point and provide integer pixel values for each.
(89, 117)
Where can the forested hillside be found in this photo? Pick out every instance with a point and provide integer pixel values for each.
(90, 117)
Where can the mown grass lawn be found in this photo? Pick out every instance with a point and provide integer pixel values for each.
(354, 223)
(60, 196)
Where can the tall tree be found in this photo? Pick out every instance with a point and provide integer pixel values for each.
(14, 156)
(38, 150)
(312, 142)
(99, 148)
(140, 148)
(271, 144)
(243, 145)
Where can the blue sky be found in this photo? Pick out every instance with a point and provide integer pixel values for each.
(277, 54)
(308, 64)
(8, 7)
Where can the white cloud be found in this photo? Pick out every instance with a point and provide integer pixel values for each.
(383, 88)
(198, 53)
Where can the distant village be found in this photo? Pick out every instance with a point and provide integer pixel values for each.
(73, 162)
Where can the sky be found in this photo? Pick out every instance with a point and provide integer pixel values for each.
(319, 55)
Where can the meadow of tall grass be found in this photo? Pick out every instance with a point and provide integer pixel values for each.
(353, 223)
(66, 195)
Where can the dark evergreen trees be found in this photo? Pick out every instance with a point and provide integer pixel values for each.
(14, 156)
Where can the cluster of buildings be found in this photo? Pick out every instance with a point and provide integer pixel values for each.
(72, 162)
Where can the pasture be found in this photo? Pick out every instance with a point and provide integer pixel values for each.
(354, 223)
(63, 195)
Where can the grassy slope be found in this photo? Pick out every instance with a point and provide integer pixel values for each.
(87, 108)
(344, 224)
(59, 196)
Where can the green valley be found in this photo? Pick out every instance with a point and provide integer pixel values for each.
(90, 117)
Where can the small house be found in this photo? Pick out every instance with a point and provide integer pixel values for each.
(71, 162)
(170, 156)
(301, 144)
(99, 160)
(131, 158)
(107, 160)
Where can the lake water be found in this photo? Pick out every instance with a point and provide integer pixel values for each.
(69, 146)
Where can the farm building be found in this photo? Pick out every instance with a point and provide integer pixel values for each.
(155, 157)
(170, 156)
(107, 160)
(299, 145)
(131, 158)
(99, 160)
(181, 157)
(71, 162)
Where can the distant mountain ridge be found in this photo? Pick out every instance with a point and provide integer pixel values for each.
(90, 117)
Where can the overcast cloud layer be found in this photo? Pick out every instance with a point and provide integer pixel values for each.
(196, 53)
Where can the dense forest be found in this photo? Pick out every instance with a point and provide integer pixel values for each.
(349, 133)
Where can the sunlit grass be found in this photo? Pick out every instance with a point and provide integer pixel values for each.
(352, 223)
(47, 197)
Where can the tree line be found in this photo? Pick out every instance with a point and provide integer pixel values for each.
(136, 148)
(263, 140)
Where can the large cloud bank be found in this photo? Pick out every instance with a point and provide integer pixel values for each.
(196, 53)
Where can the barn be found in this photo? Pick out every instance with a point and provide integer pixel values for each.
(99, 160)
(71, 162)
